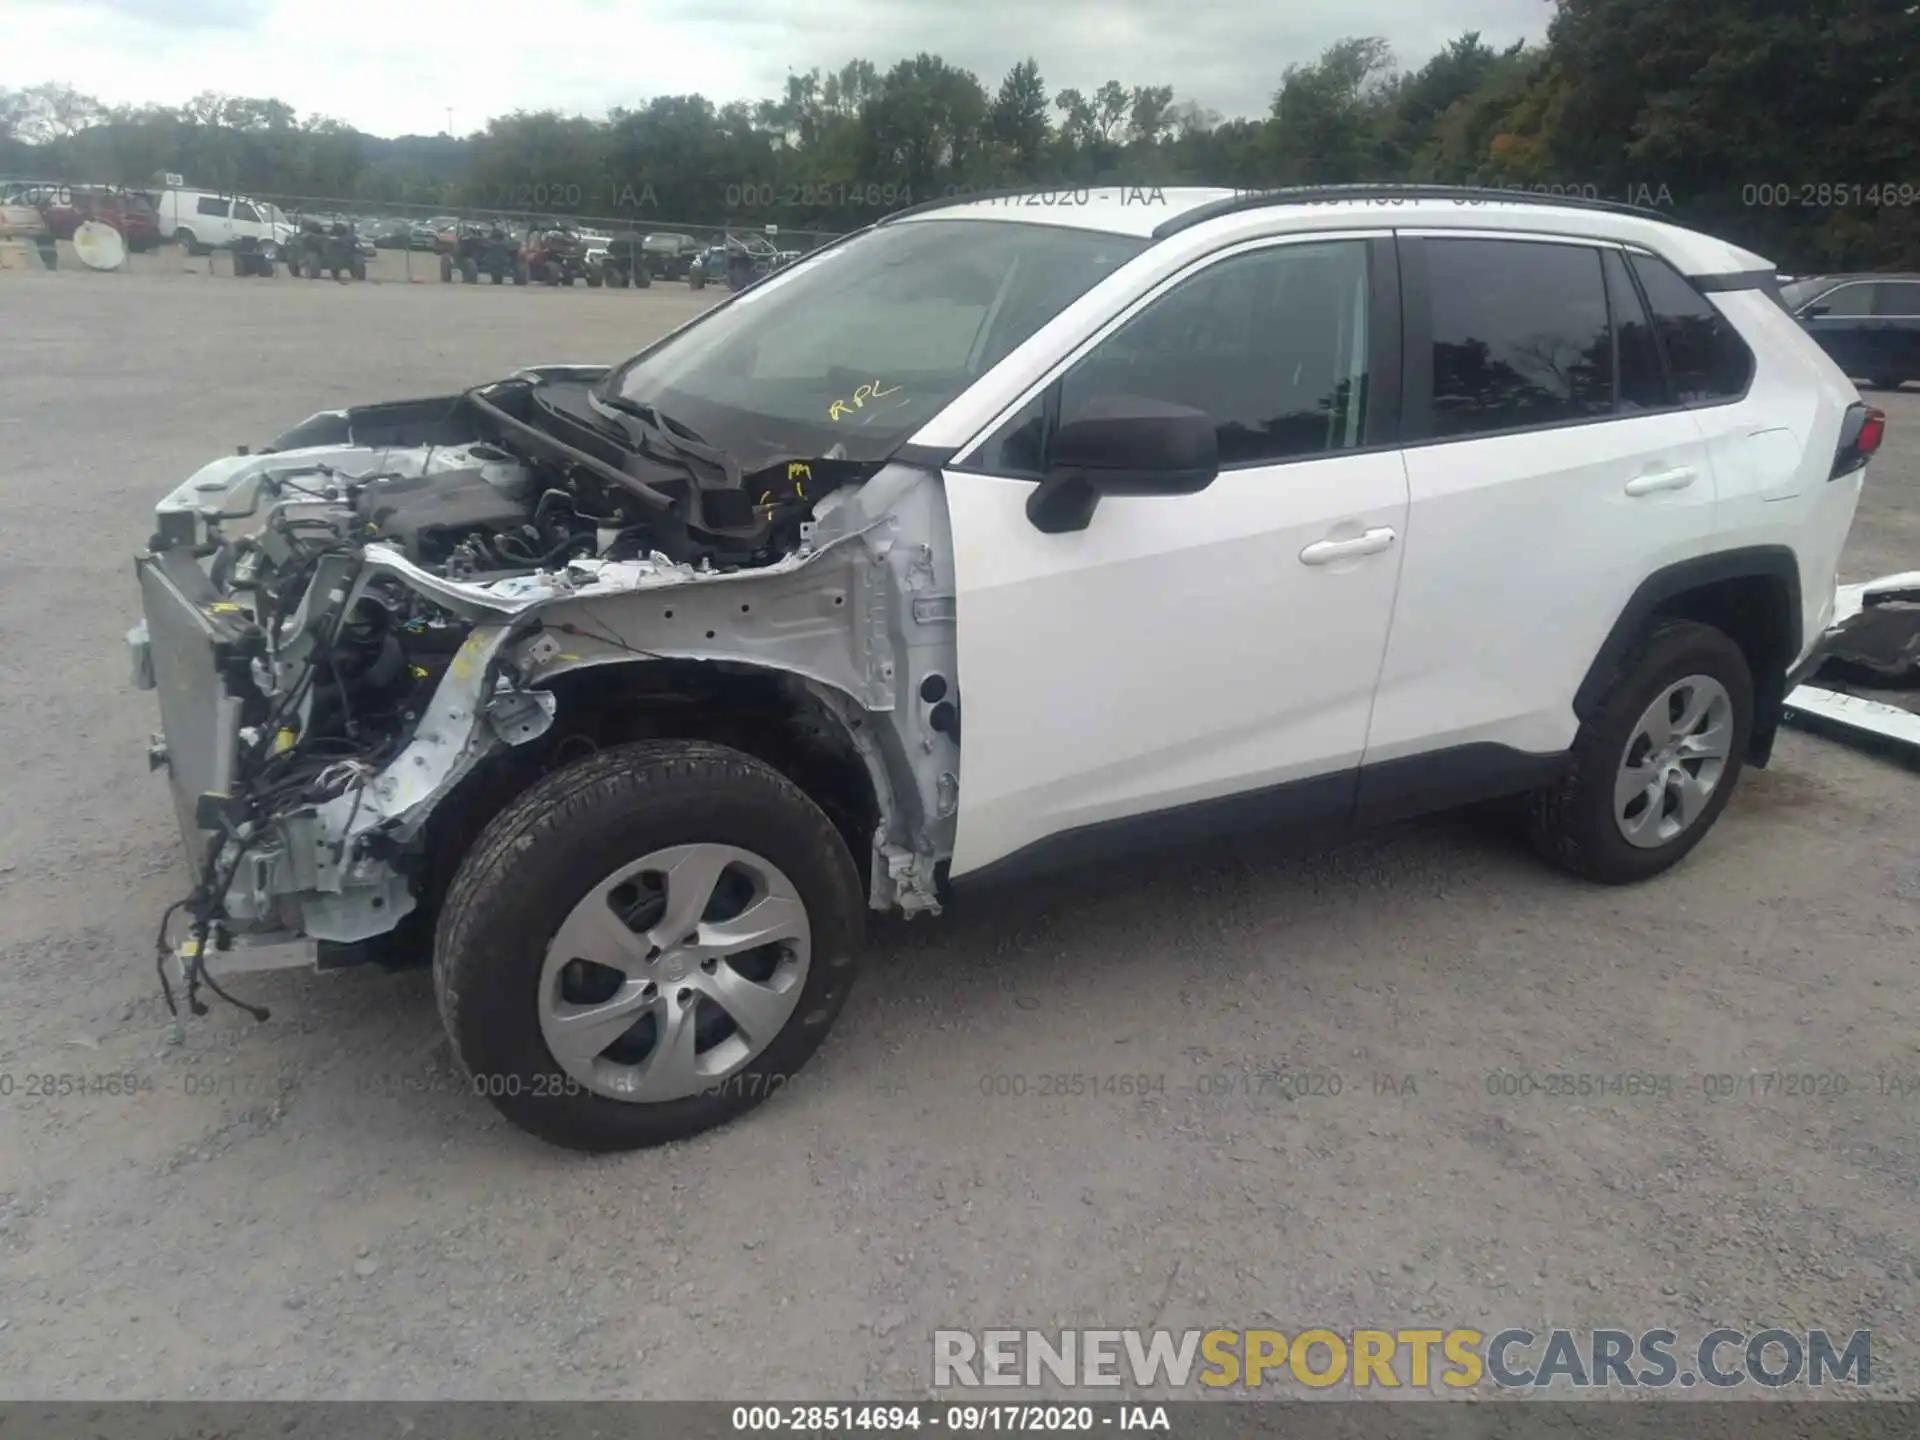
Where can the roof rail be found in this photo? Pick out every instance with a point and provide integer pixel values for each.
(1391, 192)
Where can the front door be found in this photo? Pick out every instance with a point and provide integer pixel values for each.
(1217, 646)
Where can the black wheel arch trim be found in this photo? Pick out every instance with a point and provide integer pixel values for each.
(1763, 562)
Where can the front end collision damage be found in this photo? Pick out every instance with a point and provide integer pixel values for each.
(855, 625)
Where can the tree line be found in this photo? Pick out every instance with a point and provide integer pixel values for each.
(1792, 129)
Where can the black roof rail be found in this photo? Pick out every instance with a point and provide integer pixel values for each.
(1324, 194)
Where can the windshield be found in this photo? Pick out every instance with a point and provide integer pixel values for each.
(850, 351)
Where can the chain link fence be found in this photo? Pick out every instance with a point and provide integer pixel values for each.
(397, 242)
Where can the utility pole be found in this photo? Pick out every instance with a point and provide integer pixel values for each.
(449, 122)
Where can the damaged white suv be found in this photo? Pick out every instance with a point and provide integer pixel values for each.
(627, 692)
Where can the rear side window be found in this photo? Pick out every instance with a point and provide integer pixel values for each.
(1707, 360)
(1643, 385)
(1520, 335)
(1897, 299)
(210, 206)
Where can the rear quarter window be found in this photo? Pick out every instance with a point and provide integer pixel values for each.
(1707, 361)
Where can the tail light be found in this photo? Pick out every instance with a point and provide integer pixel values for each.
(1860, 435)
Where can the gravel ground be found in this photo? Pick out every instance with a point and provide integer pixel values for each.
(307, 1207)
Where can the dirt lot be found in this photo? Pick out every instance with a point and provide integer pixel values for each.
(307, 1207)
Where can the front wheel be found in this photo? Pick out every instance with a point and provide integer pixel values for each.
(1654, 765)
(647, 944)
(1887, 382)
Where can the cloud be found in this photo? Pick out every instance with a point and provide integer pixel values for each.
(173, 15)
(396, 66)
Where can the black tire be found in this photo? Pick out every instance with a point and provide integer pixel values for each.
(497, 275)
(593, 279)
(534, 861)
(642, 277)
(184, 238)
(1887, 382)
(446, 269)
(1572, 823)
(360, 269)
(470, 272)
(697, 278)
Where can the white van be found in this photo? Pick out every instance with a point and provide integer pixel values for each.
(201, 220)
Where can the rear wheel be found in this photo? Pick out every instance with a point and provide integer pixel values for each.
(1655, 764)
(446, 268)
(647, 944)
(188, 241)
(470, 271)
(1887, 382)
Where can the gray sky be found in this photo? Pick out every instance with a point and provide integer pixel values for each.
(394, 66)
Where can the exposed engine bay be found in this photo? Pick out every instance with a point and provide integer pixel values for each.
(358, 629)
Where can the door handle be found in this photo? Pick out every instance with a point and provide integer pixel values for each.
(1662, 480)
(1325, 552)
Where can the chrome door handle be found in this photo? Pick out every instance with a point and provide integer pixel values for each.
(1662, 480)
(1325, 552)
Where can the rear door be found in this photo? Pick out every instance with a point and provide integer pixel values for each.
(1187, 649)
(1550, 472)
(1841, 325)
(1896, 319)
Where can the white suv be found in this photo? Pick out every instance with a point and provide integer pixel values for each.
(626, 691)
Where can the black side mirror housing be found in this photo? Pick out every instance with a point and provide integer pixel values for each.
(1122, 445)
(1814, 311)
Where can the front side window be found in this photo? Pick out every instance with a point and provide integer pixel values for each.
(848, 352)
(1272, 344)
(1520, 335)
(1848, 301)
(1706, 358)
(244, 211)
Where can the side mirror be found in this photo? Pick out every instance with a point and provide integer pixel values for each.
(1815, 311)
(1122, 445)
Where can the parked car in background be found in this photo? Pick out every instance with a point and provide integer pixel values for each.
(1869, 324)
(670, 256)
(21, 221)
(390, 234)
(67, 207)
(202, 220)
